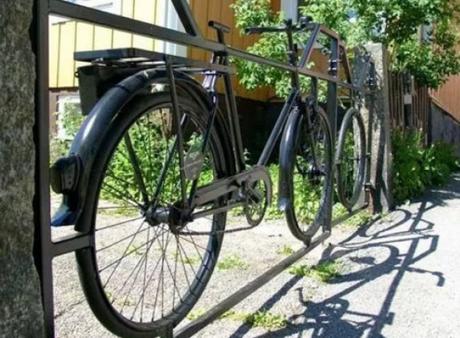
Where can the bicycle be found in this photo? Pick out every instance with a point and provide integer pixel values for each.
(352, 154)
(193, 172)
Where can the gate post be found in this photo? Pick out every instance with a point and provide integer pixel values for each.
(376, 114)
(20, 302)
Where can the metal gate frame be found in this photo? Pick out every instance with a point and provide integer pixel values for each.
(44, 248)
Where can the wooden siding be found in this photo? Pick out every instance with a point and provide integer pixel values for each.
(66, 37)
(207, 10)
(448, 96)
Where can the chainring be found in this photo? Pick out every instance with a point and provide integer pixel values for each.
(257, 198)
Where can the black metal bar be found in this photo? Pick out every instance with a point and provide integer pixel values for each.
(186, 17)
(178, 119)
(245, 291)
(141, 56)
(277, 129)
(234, 122)
(309, 46)
(42, 245)
(71, 243)
(113, 21)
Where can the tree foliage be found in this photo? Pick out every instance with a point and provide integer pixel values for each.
(394, 23)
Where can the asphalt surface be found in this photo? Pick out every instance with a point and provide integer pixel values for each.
(399, 277)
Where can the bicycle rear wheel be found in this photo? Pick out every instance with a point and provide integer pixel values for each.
(143, 273)
(351, 159)
(306, 172)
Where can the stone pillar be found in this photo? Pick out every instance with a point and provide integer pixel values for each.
(377, 117)
(20, 298)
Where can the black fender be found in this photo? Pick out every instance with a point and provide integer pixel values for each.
(286, 158)
(86, 143)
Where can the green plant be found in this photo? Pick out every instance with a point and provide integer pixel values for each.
(416, 167)
(395, 23)
(232, 262)
(195, 314)
(285, 250)
(151, 148)
(264, 319)
(324, 271)
(359, 219)
(70, 120)
(306, 201)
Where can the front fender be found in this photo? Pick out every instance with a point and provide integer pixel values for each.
(95, 127)
(287, 158)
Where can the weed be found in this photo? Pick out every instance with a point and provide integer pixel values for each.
(264, 319)
(325, 271)
(195, 314)
(359, 219)
(285, 250)
(232, 262)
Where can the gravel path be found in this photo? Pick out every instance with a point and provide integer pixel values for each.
(399, 277)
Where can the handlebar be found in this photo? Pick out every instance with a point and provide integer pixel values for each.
(288, 27)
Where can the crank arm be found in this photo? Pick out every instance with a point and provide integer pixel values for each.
(228, 185)
(213, 211)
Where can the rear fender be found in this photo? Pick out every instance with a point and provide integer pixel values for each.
(86, 143)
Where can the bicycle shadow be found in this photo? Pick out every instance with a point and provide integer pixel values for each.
(332, 317)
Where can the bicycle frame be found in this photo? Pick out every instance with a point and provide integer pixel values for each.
(45, 249)
(222, 52)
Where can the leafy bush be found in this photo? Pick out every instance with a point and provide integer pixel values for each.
(69, 120)
(395, 23)
(416, 167)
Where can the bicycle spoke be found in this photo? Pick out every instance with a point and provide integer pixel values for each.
(137, 170)
(127, 247)
(128, 254)
(119, 223)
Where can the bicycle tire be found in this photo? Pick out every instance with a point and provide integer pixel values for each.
(91, 263)
(351, 159)
(305, 216)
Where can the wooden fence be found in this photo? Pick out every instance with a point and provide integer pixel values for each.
(413, 116)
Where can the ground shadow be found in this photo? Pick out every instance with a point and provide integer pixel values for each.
(327, 318)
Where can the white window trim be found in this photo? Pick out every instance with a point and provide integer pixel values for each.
(170, 20)
(63, 99)
(290, 9)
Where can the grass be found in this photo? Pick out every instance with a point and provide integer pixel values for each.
(232, 262)
(263, 319)
(195, 314)
(285, 250)
(324, 272)
(359, 219)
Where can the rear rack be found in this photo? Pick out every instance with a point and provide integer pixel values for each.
(144, 58)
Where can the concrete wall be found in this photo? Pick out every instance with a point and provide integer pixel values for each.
(444, 127)
(376, 115)
(20, 301)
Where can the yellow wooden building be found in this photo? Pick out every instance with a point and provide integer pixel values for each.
(68, 36)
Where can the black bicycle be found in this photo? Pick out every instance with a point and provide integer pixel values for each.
(157, 164)
(352, 158)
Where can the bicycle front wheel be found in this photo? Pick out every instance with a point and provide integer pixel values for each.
(306, 172)
(146, 268)
(351, 159)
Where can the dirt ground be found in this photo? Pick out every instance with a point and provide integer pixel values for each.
(396, 277)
